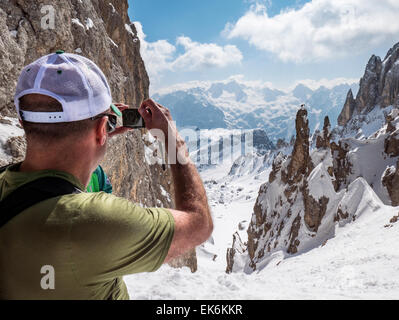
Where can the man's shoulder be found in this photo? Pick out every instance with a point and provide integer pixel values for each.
(100, 206)
(94, 213)
(94, 201)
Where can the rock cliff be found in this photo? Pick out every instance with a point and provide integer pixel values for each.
(379, 86)
(101, 31)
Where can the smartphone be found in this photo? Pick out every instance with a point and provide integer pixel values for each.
(131, 118)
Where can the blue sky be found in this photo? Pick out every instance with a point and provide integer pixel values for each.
(281, 42)
(201, 20)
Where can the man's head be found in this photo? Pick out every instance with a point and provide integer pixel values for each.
(62, 99)
(51, 132)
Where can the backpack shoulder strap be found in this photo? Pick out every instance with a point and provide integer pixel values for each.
(31, 193)
(2, 169)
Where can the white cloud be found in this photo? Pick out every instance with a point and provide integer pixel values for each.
(160, 56)
(321, 29)
(157, 55)
(205, 55)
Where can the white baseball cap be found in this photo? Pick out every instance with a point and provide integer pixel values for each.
(74, 81)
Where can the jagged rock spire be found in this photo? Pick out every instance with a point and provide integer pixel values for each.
(348, 109)
(379, 86)
(300, 163)
(323, 141)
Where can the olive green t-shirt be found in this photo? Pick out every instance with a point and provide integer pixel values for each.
(90, 240)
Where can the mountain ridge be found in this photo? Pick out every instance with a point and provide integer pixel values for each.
(243, 105)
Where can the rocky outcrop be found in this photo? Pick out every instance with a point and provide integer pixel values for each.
(328, 183)
(238, 247)
(389, 80)
(348, 109)
(101, 31)
(314, 209)
(300, 164)
(281, 143)
(276, 222)
(379, 86)
(390, 181)
(369, 87)
(391, 145)
(261, 141)
(341, 164)
(323, 140)
(390, 178)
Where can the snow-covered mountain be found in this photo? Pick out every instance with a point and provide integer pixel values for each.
(353, 253)
(329, 180)
(313, 219)
(236, 104)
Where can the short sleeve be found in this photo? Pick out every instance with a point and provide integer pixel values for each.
(112, 237)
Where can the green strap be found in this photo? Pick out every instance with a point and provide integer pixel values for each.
(99, 182)
(93, 185)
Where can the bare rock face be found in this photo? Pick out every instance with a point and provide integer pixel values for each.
(391, 145)
(101, 31)
(341, 164)
(389, 80)
(379, 86)
(261, 141)
(323, 141)
(281, 143)
(277, 223)
(314, 209)
(369, 90)
(348, 109)
(390, 180)
(300, 163)
(238, 247)
(390, 127)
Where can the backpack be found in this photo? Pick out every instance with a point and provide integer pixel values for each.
(31, 193)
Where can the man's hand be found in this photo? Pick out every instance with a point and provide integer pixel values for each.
(157, 116)
(120, 130)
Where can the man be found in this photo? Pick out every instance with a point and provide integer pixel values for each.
(88, 240)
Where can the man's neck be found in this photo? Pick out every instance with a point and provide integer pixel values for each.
(70, 161)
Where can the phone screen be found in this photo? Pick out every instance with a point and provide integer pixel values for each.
(132, 119)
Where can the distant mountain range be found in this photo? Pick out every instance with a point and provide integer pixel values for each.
(235, 104)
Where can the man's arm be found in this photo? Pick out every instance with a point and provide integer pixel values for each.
(193, 221)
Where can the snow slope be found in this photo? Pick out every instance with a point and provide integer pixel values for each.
(360, 262)
(355, 257)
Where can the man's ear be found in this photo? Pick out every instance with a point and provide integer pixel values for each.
(101, 131)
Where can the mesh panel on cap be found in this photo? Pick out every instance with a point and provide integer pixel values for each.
(95, 77)
(28, 76)
(100, 76)
(67, 84)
